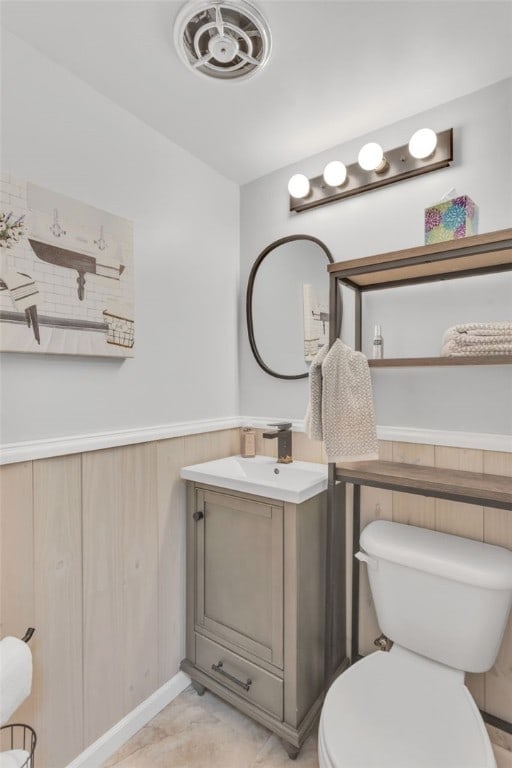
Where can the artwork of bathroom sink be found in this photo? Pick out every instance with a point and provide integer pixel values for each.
(66, 275)
(316, 321)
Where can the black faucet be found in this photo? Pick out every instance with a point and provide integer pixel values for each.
(284, 441)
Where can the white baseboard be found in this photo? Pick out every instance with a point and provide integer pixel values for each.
(96, 754)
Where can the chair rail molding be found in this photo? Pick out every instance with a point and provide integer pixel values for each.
(31, 450)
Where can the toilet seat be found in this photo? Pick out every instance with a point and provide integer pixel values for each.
(400, 710)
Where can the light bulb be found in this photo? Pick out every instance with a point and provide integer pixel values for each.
(298, 186)
(335, 173)
(423, 143)
(371, 158)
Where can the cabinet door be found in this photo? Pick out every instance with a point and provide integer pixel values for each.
(239, 573)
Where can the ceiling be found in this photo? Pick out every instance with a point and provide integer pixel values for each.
(338, 70)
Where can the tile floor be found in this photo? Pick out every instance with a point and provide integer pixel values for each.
(204, 732)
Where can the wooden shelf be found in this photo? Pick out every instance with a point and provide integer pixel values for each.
(478, 254)
(410, 362)
(455, 485)
(465, 257)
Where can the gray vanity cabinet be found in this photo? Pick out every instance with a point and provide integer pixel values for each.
(239, 569)
(256, 605)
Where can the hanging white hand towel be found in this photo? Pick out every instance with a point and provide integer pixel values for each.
(313, 417)
(348, 417)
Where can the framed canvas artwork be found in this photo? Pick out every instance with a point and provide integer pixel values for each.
(66, 275)
(316, 322)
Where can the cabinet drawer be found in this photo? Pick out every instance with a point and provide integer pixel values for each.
(264, 689)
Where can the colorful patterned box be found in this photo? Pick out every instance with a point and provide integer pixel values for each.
(451, 219)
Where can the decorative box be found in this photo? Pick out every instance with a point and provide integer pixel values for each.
(451, 219)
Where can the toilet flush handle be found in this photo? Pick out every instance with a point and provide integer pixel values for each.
(370, 561)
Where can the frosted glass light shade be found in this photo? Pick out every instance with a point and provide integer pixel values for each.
(423, 143)
(298, 186)
(335, 173)
(371, 157)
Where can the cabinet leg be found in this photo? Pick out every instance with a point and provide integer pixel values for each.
(198, 688)
(291, 750)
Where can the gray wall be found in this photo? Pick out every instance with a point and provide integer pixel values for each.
(468, 399)
(60, 133)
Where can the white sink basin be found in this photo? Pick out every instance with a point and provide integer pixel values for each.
(262, 476)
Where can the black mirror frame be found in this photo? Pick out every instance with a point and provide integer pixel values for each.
(250, 288)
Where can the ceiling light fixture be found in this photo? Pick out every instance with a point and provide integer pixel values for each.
(227, 40)
(426, 151)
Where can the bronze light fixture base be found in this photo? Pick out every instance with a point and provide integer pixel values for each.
(400, 165)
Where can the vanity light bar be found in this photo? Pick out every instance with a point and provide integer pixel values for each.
(400, 165)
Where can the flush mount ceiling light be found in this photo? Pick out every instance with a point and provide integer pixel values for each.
(226, 40)
(426, 151)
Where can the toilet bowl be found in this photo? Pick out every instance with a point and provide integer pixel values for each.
(399, 710)
(444, 601)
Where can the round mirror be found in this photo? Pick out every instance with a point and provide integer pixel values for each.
(288, 305)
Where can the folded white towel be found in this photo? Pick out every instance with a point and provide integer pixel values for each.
(452, 349)
(468, 340)
(15, 675)
(313, 417)
(348, 418)
(482, 331)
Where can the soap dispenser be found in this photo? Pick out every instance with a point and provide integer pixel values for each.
(247, 443)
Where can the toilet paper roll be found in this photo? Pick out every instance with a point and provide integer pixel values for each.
(15, 675)
(15, 758)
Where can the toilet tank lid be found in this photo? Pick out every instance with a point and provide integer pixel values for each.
(452, 557)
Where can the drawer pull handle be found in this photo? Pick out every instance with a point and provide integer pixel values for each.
(219, 668)
(198, 515)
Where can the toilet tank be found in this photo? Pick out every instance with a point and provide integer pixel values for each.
(442, 596)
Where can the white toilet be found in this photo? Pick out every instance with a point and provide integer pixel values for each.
(444, 601)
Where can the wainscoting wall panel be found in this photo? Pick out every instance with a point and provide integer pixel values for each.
(103, 592)
(58, 608)
(17, 561)
(140, 573)
(120, 578)
(93, 556)
(171, 501)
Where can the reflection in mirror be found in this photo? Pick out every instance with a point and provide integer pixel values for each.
(287, 305)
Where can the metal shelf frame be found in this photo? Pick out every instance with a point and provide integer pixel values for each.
(467, 257)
